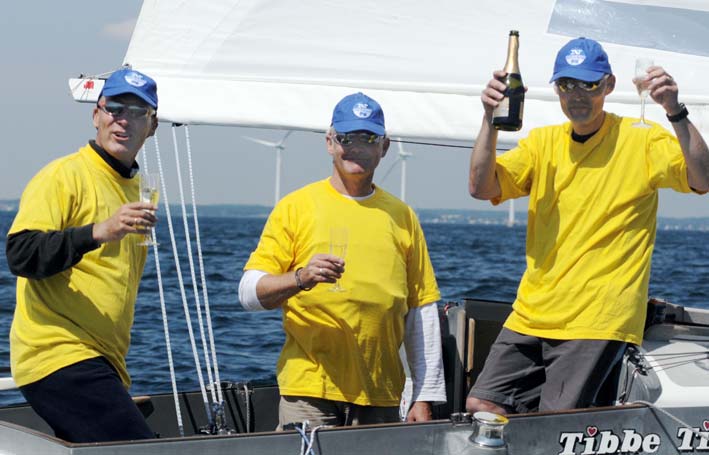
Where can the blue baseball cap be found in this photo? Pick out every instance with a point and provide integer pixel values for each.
(358, 112)
(583, 59)
(127, 80)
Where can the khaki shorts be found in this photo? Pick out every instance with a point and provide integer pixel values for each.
(524, 373)
(319, 411)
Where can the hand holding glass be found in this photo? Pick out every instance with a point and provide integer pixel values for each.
(338, 247)
(642, 85)
(149, 184)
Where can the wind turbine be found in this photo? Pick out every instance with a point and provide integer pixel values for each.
(279, 146)
(400, 159)
(511, 213)
(506, 146)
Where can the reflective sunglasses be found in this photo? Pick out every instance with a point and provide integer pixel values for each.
(118, 109)
(566, 84)
(360, 138)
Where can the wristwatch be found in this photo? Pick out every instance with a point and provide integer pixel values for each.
(298, 282)
(681, 115)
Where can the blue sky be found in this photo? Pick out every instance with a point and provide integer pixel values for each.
(45, 43)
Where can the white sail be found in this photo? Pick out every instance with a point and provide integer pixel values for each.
(284, 64)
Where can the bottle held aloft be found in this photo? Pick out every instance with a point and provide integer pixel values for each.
(507, 116)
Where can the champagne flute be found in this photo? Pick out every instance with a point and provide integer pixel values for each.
(642, 85)
(149, 184)
(338, 247)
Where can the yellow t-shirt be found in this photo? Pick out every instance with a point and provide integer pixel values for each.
(344, 346)
(85, 311)
(591, 226)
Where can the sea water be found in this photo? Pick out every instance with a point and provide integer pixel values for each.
(482, 261)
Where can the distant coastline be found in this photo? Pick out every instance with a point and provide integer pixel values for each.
(435, 216)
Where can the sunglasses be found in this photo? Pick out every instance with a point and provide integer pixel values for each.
(118, 109)
(360, 138)
(566, 85)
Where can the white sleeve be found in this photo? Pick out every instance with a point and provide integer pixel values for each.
(247, 290)
(422, 340)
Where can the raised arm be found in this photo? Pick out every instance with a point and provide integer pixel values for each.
(482, 180)
(664, 90)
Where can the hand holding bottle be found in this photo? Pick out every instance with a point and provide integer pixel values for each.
(494, 93)
(507, 115)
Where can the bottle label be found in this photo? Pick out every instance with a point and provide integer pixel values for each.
(502, 109)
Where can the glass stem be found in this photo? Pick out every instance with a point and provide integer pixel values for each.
(642, 109)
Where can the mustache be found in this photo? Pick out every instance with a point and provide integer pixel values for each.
(354, 156)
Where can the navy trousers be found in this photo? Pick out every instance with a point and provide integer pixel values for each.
(87, 402)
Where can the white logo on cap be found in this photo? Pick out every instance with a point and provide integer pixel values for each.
(362, 110)
(575, 57)
(135, 79)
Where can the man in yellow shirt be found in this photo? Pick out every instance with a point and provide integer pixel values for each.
(79, 269)
(340, 361)
(592, 185)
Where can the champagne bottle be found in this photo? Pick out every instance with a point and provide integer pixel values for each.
(507, 116)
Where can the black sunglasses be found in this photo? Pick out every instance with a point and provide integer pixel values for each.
(566, 84)
(361, 138)
(118, 109)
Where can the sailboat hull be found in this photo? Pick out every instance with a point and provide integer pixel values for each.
(628, 429)
(656, 418)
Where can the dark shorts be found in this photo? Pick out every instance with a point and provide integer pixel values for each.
(525, 373)
(87, 402)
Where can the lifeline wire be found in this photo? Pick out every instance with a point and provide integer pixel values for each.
(203, 278)
(165, 324)
(662, 362)
(186, 309)
(678, 363)
(188, 244)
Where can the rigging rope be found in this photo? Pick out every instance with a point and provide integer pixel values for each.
(500, 147)
(214, 410)
(674, 359)
(247, 404)
(178, 271)
(188, 244)
(307, 442)
(166, 330)
(210, 331)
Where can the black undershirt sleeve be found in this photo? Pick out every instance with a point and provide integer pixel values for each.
(36, 254)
